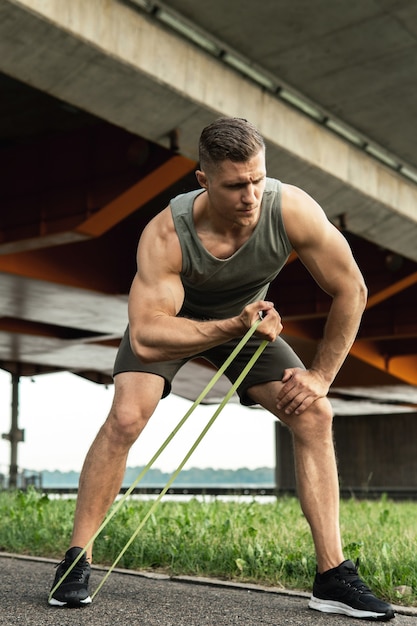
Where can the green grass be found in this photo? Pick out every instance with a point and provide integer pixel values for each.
(269, 543)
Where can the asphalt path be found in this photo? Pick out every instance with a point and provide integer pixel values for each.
(134, 599)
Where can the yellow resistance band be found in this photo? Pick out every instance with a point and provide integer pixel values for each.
(209, 386)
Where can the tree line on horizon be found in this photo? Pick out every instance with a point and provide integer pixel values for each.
(195, 476)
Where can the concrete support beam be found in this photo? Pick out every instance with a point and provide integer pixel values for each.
(118, 64)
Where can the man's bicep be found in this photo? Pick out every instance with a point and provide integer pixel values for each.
(319, 244)
(150, 298)
(329, 260)
(157, 288)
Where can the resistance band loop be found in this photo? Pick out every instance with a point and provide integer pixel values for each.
(147, 467)
(184, 461)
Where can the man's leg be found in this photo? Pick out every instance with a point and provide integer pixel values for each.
(316, 471)
(317, 480)
(136, 396)
(337, 587)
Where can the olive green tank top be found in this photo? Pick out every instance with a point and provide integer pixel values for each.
(221, 288)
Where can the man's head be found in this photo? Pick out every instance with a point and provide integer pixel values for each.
(233, 171)
(228, 138)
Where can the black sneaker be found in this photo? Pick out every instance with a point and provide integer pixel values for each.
(340, 590)
(73, 592)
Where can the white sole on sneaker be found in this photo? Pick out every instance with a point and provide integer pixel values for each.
(54, 602)
(332, 606)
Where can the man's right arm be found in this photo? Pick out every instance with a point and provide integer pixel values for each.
(156, 297)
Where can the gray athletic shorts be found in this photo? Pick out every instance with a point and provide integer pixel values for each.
(276, 357)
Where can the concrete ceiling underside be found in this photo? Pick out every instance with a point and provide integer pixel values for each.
(94, 143)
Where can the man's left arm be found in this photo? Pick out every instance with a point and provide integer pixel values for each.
(328, 257)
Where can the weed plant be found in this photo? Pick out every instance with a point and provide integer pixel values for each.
(268, 544)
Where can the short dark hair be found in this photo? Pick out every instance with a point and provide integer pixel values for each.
(229, 138)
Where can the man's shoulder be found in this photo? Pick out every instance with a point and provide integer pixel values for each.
(272, 195)
(272, 184)
(185, 200)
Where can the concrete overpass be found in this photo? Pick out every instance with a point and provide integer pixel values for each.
(101, 107)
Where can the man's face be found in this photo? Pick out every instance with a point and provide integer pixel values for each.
(235, 190)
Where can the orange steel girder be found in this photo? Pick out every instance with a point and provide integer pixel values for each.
(392, 290)
(34, 258)
(402, 367)
(137, 196)
(112, 213)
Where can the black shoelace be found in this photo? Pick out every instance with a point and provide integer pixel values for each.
(351, 579)
(77, 571)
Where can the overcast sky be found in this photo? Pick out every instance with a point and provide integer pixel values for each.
(61, 414)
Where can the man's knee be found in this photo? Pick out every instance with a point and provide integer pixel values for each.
(136, 396)
(125, 422)
(315, 421)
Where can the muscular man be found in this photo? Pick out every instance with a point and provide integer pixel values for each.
(204, 265)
